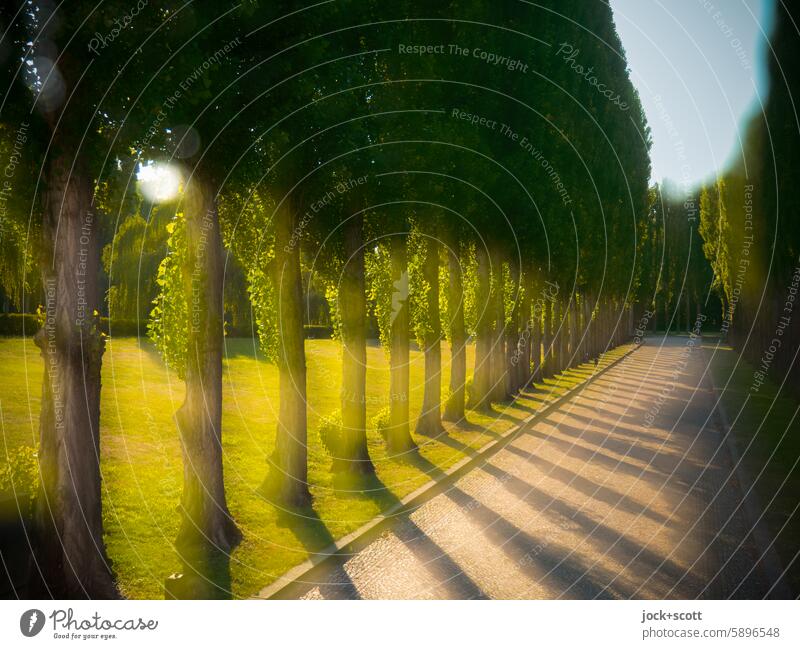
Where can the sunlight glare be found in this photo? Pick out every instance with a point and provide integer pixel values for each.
(159, 182)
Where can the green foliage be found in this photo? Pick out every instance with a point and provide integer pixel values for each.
(512, 293)
(318, 332)
(332, 296)
(19, 240)
(261, 290)
(247, 231)
(331, 433)
(444, 295)
(419, 287)
(380, 290)
(713, 226)
(469, 269)
(448, 398)
(19, 324)
(470, 393)
(120, 327)
(169, 318)
(20, 474)
(132, 258)
(382, 421)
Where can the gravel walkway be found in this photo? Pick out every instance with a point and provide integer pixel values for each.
(590, 502)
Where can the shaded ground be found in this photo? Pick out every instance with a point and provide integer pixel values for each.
(765, 428)
(627, 490)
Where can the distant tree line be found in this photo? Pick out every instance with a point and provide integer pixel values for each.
(749, 226)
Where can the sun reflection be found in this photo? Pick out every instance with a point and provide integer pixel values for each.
(159, 182)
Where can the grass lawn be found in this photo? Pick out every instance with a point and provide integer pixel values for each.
(765, 426)
(141, 456)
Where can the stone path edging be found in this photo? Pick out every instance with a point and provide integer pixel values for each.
(298, 579)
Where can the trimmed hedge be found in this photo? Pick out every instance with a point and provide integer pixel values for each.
(312, 331)
(122, 328)
(18, 324)
(319, 331)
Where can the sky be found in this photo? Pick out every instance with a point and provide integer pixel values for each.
(699, 66)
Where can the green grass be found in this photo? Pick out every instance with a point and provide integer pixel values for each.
(765, 426)
(141, 455)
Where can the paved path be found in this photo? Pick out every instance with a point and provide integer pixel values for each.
(590, 502)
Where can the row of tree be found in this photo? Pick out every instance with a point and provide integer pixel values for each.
(449, 196)
(676, 277)
(750, 237)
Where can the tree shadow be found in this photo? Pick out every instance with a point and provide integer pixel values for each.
(423, 464)
(338, 585)
(466, 426)
(540, 559)
(621, 431)
(148, 349)
(591, 490)
(445, 570)
(628, 448)
(307, 526)
(587, 455)
(206, 574)
(503, 414)
(364, 486)
(242, 348)
(642, 564)
(518, 405)
(595, 399)
(453, 443)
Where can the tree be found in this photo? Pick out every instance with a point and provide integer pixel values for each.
(66, 141)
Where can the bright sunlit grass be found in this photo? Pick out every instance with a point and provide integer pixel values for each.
(142, 466)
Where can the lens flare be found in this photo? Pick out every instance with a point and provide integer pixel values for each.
(159, 182)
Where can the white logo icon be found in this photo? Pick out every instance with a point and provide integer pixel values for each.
(31, 622)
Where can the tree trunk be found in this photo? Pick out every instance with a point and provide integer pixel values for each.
(287, 480)
(522, 350)
(547, 339)
(399, 435)
(631, 323)
(602, 329)
(535, 347)
(206, 519)
(429, 421)
(689, 324)
(573, 332)
(68, 532)
(354, 455)
(499, 391)
(563, 328)
(583, 333)
(557, 337)
(454, 408)
(512, 337)
(592, 310)
(482, 374)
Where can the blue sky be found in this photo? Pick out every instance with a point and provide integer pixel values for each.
(699, 69)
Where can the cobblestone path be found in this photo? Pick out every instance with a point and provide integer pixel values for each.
(626, 490)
